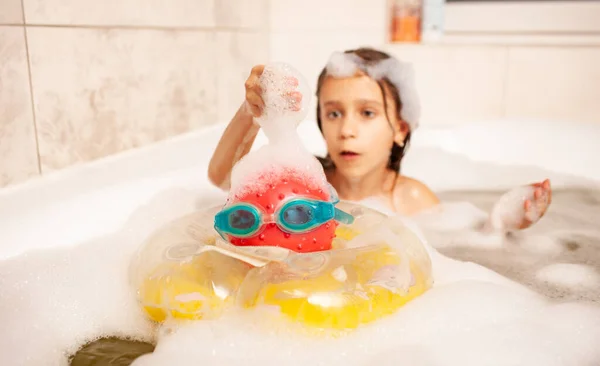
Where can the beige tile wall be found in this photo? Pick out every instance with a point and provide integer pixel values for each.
(458, 83)
(11, 12)
(98, 92)
(130, 13)
(556, 84)
(237, 53)
(18, 152)
(84, 79)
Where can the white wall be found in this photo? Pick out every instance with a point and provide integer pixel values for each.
(480, 70)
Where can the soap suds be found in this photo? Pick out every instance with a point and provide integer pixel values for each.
(400, 74)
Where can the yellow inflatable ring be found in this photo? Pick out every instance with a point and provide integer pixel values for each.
(376, 266)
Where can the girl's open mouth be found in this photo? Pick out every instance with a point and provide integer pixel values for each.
(346, 154)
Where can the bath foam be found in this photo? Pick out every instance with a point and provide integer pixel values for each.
(400, 74)
(279, 118)
(285, 153)
(271, 162)
(568, 274)
(343, 65)
(54, 301)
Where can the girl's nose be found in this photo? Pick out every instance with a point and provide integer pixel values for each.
(348, 129)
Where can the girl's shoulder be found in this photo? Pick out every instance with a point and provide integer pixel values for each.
(410, 195)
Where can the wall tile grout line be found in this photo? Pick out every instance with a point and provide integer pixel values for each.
(268, 29)
(215, 35)
(136, 27)
(505, 82)
(35, 127)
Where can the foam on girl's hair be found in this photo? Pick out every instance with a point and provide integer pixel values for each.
(285, 154)
(400, 74)
(343, 65)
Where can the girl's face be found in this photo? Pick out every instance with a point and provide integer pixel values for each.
(358, 134)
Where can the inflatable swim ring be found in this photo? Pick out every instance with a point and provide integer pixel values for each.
(375, 266)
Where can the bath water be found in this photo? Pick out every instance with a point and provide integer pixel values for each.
(54, 302)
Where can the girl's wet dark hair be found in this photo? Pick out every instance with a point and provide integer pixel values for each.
(369, 55)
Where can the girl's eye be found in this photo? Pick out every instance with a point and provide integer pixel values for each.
(368, 113)
(334, 114)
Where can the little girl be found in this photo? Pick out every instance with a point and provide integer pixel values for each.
(367, 109)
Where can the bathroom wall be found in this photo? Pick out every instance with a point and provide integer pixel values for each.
(467, 83)
(308, 34)
(513, 66)
(84, 79)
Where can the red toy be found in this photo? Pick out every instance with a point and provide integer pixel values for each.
(271, 197)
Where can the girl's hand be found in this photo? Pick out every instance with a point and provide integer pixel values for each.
(521, 207)
(254, 93)
(535, 206)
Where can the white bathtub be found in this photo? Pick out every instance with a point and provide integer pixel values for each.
(79, 203)
(85, 202)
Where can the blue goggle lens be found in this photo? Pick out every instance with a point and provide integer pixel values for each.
(301, 215)
(242, 219)
(298, 214)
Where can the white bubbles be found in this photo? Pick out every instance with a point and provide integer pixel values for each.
(400, 74)
(451, 215)
(343, 65)
(54, 301)
(569, 275)
(285, 154)
(282, 114)
(541, 245)
(270, 164)
(51, 302)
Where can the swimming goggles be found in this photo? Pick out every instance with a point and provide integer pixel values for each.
(296, 215)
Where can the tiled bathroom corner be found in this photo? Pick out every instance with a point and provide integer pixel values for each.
(11, 12)
(18, 153)
(237, 53)
(569, 77)
(130, 13)
(101, 91)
